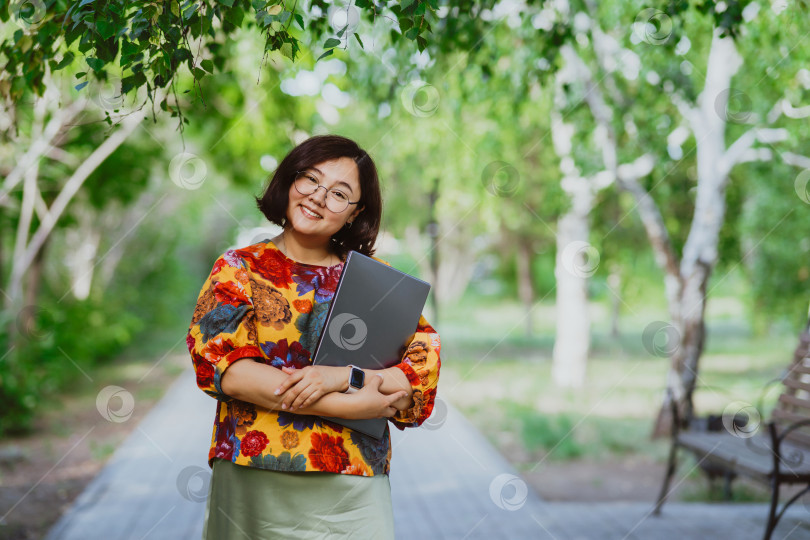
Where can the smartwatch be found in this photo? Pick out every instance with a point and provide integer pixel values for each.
(356, 379)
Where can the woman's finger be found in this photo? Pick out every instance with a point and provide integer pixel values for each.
(313, 397)
(293, 393)
(302, 397)
(393, 398)
(293, 378)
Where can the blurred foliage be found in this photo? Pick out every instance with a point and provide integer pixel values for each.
(445, 114)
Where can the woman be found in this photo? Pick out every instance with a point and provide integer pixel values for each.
(279, 470)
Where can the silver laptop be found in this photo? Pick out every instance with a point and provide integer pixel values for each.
(373, 316)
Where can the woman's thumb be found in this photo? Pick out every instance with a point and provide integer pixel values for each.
(376, 380)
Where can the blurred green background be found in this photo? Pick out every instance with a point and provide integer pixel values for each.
(519, 130)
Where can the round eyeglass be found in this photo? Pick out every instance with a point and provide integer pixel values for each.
(336, 200)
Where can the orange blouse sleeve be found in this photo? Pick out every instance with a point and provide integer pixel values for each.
(420, 363)
(223, 328)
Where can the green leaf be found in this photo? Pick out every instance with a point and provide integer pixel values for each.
(300, 20)
(406, 4)
(327, 53)
(175, 8)
(357, 37)
(105, 28)
(81, 85)
(286, 50)
(198, 73)
(192, 9)
(207, 65)
(331, 42)
(80, 74)
(227, 3)
(95, 63)
(85, 2)
(66, 60)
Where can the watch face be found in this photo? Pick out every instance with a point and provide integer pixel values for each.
(357, 378)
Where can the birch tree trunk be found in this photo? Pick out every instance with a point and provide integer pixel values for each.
(572, 340)
(688, 301)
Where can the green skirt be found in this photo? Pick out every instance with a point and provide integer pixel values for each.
(251, 503)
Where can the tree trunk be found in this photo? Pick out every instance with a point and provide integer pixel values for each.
(708, 123)
(615, 283)
(572, 269)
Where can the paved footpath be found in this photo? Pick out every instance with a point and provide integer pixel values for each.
(447, 482)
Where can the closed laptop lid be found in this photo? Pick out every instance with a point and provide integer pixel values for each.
(373, 316)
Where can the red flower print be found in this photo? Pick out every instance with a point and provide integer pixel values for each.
(327, 453)
(216, 349)
(190, 342)
(228, 292)
(272, 265)
(429, 399)
(221, 262)
(413, 378)
(224, 446)
(281, 354)
(204, 370)
(302, 306)
(253, 443)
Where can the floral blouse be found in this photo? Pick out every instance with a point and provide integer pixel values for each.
(258, 303)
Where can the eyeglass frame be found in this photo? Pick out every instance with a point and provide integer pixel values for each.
(348, 202)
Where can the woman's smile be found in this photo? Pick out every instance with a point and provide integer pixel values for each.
(311, 214)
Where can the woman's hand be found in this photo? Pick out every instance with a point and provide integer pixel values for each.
(371, 403)
(307, 385)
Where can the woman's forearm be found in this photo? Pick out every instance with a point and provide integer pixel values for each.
(394, 380)
(254, 382)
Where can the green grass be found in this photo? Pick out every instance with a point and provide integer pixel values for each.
(500, 377)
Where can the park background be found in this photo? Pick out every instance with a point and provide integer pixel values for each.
(586, 185)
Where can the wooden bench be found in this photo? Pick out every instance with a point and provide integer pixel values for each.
(776, 455)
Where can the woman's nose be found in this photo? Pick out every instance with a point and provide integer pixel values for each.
(317, 197)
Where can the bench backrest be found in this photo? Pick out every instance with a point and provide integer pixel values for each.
(794, 402)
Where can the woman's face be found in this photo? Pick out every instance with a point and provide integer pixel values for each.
(342, 174)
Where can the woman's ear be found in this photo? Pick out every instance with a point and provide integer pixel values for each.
(357, 211)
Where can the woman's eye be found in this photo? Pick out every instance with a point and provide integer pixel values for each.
(339, 195)
(311, 180)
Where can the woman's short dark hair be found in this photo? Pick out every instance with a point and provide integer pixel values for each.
(362, 235)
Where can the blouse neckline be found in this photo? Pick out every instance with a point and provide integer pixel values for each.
(293, 261)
